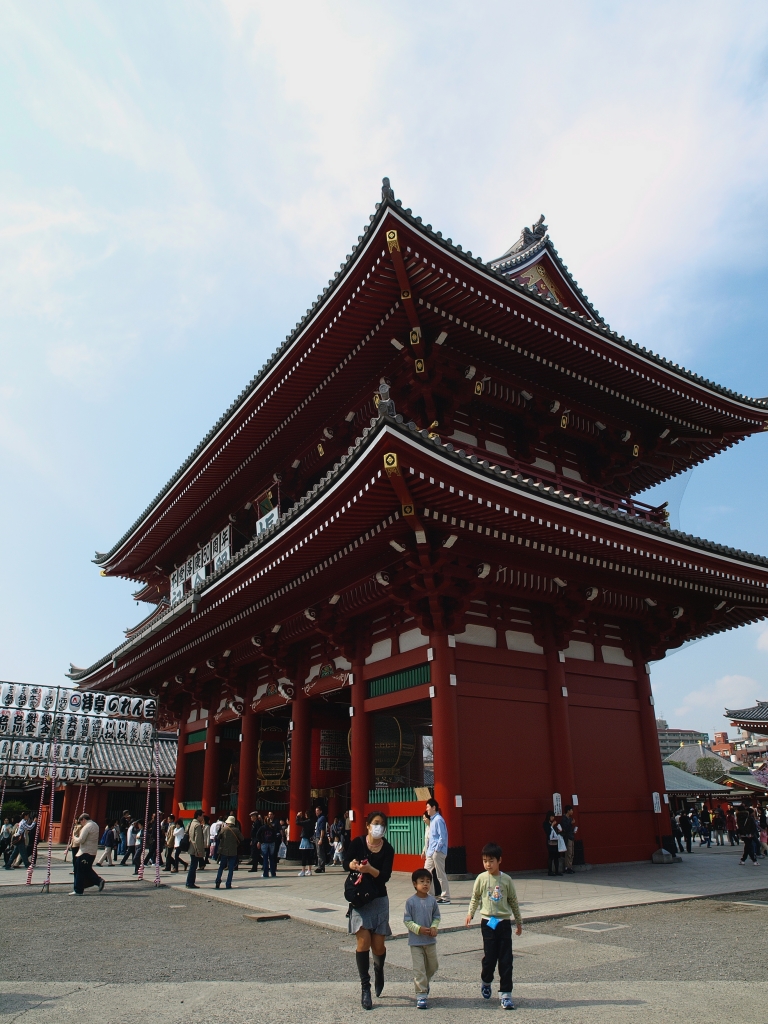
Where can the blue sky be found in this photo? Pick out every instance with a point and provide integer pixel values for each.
(179, 181)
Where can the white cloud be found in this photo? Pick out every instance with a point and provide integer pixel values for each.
(727, 692)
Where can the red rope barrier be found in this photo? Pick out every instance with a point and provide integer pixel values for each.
(145, 824)
(157, 813)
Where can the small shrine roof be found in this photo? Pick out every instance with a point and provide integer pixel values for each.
(132, 761)
(693, 752)
(678, 781)
(387, 205)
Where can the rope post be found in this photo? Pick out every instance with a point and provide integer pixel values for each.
(145, 826)
(47, 882)
(31, 867)
(74, 822)
(157, 814)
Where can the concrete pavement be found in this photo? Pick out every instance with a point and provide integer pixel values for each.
(318, 900)
(221, 1002)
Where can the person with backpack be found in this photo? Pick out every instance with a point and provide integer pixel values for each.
(180, 845)
(196, 840)
(108, 841)
(306, 828)
(230, 838)
(268, 840)
(369, 861)
(22, 840)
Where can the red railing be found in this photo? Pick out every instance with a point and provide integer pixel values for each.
(577, 488)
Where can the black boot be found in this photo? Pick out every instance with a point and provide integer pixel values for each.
(363, 969)
(378, 972)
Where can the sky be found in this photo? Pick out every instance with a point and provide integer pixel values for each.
(179, 181)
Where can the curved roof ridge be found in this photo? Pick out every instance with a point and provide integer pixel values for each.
(482, 467)
(389, 202)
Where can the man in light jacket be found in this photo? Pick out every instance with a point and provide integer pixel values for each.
(196, 848)
(86, 840)
(437, 850)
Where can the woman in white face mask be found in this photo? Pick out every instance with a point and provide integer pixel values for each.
(372, 856)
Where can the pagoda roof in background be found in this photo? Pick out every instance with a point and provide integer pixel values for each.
(239, 435)
(751, 719)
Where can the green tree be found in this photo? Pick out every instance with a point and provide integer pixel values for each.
(14, 809)
(679, 764)
(709, 768)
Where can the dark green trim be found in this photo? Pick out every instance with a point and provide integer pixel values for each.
(404, 680)
(196, 737)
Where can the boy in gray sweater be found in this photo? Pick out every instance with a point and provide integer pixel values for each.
(422, 919)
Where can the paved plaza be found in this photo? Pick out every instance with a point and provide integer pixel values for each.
(135, 952)
(318, 900)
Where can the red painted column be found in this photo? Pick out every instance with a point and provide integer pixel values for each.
(301, 738)
(445, 740)
(181, 764)
(361, 744)
(211, 763)
(650, 735)
(249, 748)
(71, 793)
(559, 721)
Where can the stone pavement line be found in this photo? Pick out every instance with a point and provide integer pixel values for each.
(318, 900)
(613, 1002)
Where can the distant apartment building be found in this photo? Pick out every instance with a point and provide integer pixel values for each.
(671, 739)
(746, 748)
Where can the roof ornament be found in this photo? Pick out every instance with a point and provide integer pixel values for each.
(529, 236)
(386, 404)
(386, 191)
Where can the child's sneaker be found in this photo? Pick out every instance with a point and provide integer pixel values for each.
(485, 991)
(506, 1001)
(421, 1003)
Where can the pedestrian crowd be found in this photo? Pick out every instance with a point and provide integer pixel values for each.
(744, 826)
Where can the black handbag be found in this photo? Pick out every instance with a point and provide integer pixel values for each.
(359, 889)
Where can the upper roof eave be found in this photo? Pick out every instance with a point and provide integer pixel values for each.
(388, 204)
(434, 446)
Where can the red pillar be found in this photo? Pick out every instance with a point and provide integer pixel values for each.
(249, 748)
(211, 763)
(360, 723)
(559, 720)
(301, 739)
(445, 740)
(71, 794)
(650, 735)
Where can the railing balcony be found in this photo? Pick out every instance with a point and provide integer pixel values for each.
(565, 485)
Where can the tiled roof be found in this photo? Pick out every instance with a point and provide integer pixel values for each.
(482, 468)
(132, 761)
(678, 781)
(759, 713)
(690, 754)
(436, 237)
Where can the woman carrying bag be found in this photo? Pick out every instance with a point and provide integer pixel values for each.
(369, 861)
(552, 833)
